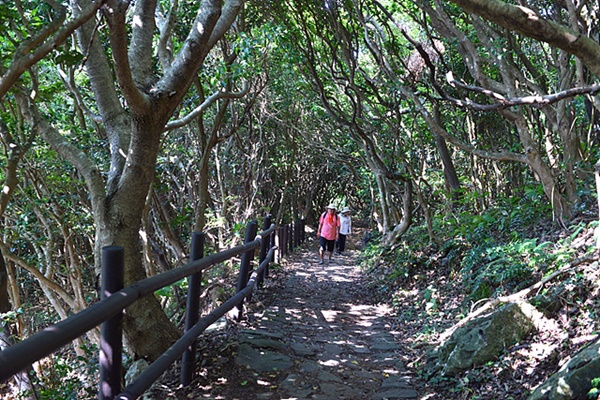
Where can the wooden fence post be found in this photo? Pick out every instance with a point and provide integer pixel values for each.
(273, 244)
(111, 331)
(192, 308)
(298, 234)
(290, 238)
(264, 249)
(277, 241)
(284, 240)
(245, 267)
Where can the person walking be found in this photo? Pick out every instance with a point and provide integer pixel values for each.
(345, 229)
(328, 231)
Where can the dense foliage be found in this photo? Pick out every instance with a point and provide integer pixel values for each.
(458, 142)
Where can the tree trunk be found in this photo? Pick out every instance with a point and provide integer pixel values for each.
(203, 195)
(4, 298)
(391, 237)
(542, 170)
(450, 174)
(384, 218)
(147, 330)
(597, 178)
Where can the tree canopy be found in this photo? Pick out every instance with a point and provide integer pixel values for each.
(138, 123)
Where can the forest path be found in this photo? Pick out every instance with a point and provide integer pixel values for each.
(316, 334)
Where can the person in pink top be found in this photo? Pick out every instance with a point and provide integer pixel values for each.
(329, 229)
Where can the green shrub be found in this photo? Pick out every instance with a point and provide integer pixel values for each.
(491, 267)
(594, 392)
(66, 378)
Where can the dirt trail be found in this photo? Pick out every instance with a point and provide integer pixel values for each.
(313, 334)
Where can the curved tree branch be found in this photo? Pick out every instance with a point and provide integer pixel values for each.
(38, 275)
(36, 48)
(504, 156)
(503, 102)
(221, 94)
(527, 22)
(67, 150)
(142, 36)
(115, 13)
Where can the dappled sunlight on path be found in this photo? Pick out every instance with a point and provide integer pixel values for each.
(315, 335)
(342, 343)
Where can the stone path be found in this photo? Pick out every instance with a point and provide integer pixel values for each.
(325, 338)
(312, 333)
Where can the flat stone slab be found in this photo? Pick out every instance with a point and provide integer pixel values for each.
(260, 332)
(396, 394)
(302, 350)
(262, 360)
(396, 382)
(320, 339)
(385, 345)
(263, 343)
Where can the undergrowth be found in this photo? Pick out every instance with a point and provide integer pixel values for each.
(494, 253)
(433, 284)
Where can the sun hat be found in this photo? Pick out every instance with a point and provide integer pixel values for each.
(332, 206)
(345, 210)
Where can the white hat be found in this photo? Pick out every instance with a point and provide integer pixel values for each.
(345, 210)
(332, 206)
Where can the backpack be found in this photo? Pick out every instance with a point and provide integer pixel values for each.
(335, 219)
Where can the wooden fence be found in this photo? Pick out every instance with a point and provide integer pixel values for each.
(274, 243)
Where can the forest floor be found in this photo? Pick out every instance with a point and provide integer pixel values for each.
(328, 334)
(313, 332)
(434, 300)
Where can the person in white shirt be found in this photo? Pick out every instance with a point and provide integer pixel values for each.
(345, 229)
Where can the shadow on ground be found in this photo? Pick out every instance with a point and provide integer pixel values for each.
(316, 334)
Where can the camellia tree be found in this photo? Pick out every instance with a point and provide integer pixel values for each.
(139, 70)
(382, 68)
(138, 67)
(573, 35)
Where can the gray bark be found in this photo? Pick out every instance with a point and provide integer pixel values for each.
(134, 133)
